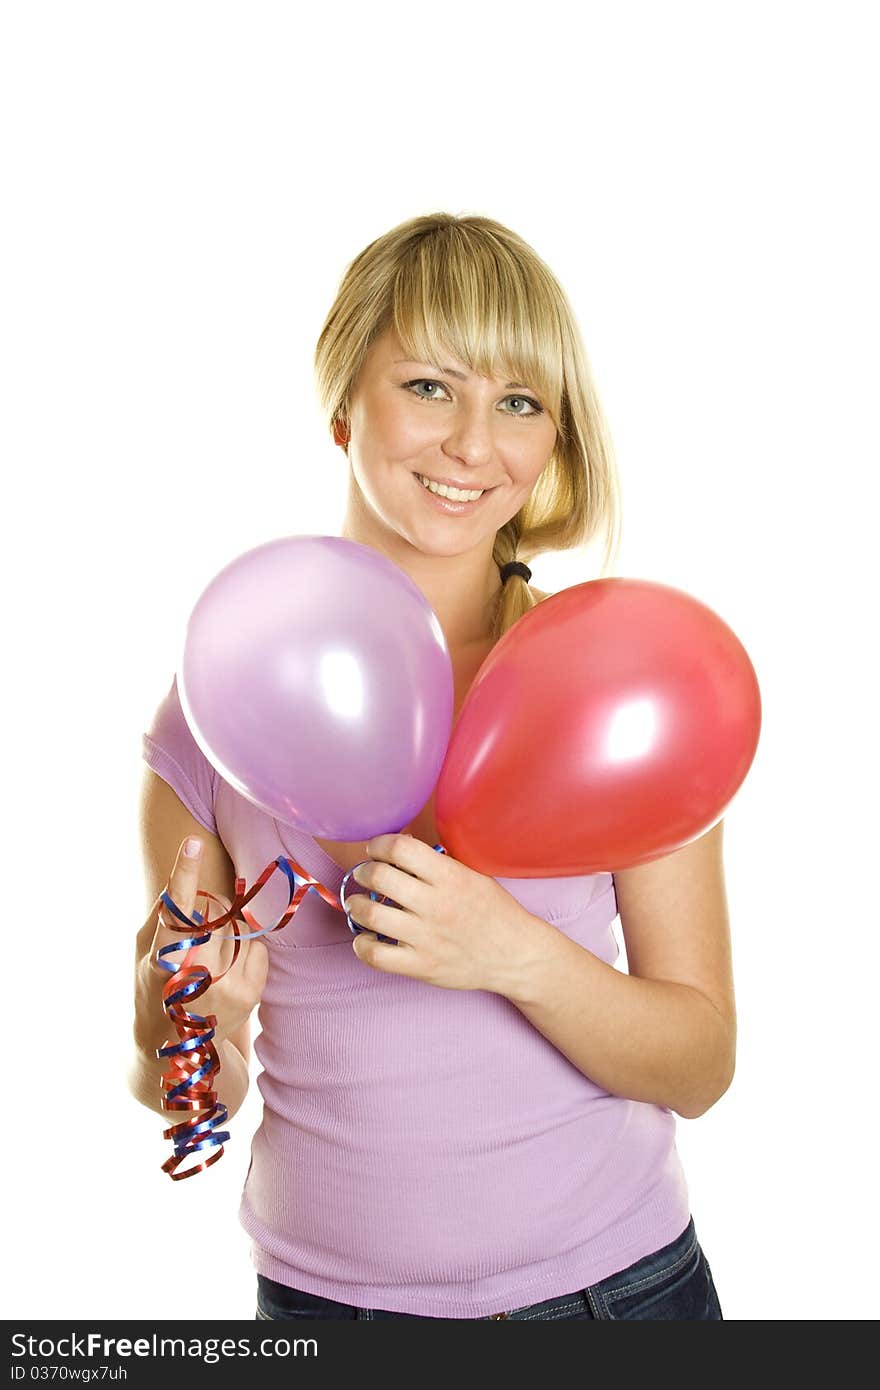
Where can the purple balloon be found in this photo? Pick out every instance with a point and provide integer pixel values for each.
(316, 679)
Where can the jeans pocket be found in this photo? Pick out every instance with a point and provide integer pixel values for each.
(673, 1283)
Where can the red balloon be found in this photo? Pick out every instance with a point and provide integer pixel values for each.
(611, 725)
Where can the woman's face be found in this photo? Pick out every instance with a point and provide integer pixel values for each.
(410, 418)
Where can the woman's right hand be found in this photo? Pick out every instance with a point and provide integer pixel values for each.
(232, 998)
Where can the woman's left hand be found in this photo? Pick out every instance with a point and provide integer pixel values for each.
(457, 928)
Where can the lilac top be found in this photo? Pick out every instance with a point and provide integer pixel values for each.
(424, 1150)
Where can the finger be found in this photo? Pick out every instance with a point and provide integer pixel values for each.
(182, 889)
(219, 954)
(378, 876)
(408, 853)
(383, 920)
(394, 960)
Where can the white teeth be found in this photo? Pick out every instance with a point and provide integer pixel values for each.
(453, 493)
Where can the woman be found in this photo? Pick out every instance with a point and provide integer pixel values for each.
(478, 1122)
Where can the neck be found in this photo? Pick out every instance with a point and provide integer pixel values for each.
(462, 589)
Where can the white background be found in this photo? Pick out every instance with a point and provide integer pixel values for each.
(184, 185)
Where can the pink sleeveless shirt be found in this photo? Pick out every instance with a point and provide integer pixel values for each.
(424, 1150)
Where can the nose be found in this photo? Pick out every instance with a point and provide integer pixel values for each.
(469, 438)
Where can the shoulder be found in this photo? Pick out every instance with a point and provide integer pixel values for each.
(169, 748)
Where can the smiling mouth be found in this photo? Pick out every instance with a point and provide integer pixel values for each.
(451, 494)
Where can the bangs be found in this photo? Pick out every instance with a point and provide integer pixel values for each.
(462, 295)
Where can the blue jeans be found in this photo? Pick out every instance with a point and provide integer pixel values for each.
(672, 1283)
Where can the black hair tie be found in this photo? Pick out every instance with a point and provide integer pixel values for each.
(515, 567)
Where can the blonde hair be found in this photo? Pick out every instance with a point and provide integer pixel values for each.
(471, 286)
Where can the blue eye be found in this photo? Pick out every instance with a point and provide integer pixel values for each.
(424, 383)
(536, 409)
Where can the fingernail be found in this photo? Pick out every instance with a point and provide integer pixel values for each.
(193, 847)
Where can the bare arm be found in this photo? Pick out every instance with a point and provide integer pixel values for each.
(666, 1032)
(230, 1083)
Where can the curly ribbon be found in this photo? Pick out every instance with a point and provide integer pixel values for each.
(374, 897)
(188, 1082)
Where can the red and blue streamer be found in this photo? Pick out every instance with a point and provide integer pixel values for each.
(193, 1061)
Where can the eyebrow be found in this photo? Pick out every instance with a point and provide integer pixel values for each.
(450, 371)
